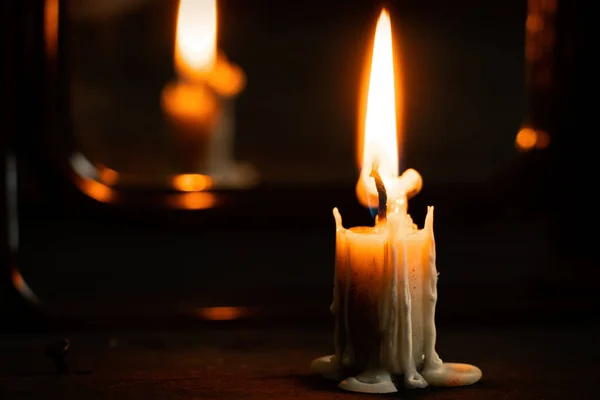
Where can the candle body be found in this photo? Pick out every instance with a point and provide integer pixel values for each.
(380, 294)
(384, 299)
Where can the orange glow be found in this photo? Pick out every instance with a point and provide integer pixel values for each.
(534, 23)
(96, 190)
(196, 38)
(540, 36)
(17, 279)
(548, 5)
(528, 138)
(51, 26)
(379, 139)
(226, 79)
(189, 104)
(21, 286)
(542, 139)
(192, 182)
(108, 176)
(193, 201)
(222, 313)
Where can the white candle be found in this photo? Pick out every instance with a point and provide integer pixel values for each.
(380, 290)
(385, 283)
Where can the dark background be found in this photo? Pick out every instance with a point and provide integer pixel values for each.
(517, 282)
(463, 68)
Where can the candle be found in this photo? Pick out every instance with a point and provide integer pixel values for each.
(385, 280)
(199, 104)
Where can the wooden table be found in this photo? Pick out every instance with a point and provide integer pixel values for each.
(241, 362)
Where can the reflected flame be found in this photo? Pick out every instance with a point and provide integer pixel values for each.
(222, 313)
(189, 103)
(192, 182)
(108, 176)
(196, 38)
(528, 139)
(51, 15)
(96, 190)
(193, 201)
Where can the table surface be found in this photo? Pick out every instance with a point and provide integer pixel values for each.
(222, 362)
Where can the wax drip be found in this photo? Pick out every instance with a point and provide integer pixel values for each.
(381, 192)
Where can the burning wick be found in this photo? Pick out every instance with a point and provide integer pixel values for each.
(382, 194)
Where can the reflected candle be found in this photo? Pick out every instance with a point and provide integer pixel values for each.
(385, 280)
(199, 104)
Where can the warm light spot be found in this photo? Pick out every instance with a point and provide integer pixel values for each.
(196, 38)
(51, 27)
(22, 287)
(526, 139)
(534, 23)
(187, 103)
(226, 79)
(108, 176)
(192, 182)
(193, 201)
(96, 190)
(222, 313)
(17, 278)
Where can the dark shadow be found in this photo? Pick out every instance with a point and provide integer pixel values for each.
(315, 382)
(37, 374)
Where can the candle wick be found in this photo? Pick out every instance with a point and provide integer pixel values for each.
(381, 192)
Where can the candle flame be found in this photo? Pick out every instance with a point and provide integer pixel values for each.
(379, 141)
(196, 38)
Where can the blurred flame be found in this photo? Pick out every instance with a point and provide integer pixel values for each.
(222, 313)
(108, 176)
(192, 182)
(51, 26)
(189, 103)
(534, 23)
(96, 190)
(528, 139)
(227, 79)
(196, 38)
